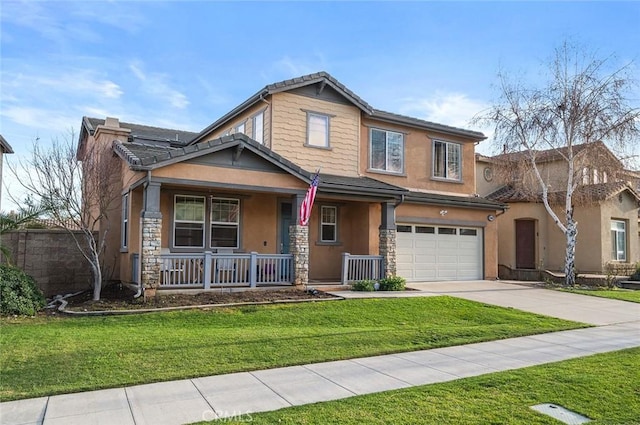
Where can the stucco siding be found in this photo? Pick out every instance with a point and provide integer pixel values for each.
(289, 134)
(418, 163)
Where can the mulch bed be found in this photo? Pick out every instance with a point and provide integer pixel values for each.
(120, 297)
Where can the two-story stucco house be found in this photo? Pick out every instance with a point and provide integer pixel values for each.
(223, 206)
(606, 207)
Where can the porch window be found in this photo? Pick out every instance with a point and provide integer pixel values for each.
(124, 236)
(225, 222)
(618, 240)
(447, 160)
(317, 130)
(257, 128)
(188, 221)
(387, 151)
(329, 224)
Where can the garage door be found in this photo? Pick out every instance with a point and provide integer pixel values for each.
(433, 253)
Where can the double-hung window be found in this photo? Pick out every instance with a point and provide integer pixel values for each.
(225, 222)
(317, 130)
(618, 240)
(387, 151)
(125, 222)
(257, 128)
(188, 221)
(329, 224)
(447, 160)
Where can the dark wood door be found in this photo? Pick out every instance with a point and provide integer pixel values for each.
(525, 244)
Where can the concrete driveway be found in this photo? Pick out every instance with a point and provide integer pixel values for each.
(580, 308)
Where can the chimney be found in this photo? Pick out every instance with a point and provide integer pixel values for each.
(112, 122)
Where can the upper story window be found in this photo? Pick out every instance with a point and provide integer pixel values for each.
(317, 130)
(618, 240)
(257, 132)
(447, 160)
(188, 221)
(225, 222)
(240, 128)
(387, 151)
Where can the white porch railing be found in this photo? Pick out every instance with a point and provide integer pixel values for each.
(361, 267)
(210, 270)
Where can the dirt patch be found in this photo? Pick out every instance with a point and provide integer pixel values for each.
(120, 297)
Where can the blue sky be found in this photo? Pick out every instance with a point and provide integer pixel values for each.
(184, 64)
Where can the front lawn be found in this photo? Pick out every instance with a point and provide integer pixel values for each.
(616, 294)
(50, 355)
(603, 387)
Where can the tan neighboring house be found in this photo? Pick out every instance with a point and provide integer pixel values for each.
(5, 147)
(396, 195)
(606, 209)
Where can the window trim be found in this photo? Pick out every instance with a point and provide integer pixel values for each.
(446, 160)
(242, 125)
(211, 223)
(386, 169)
(253, 127)
(173, 223)
(124, 228)
(322, 223)
(327, 119)
(614, 240)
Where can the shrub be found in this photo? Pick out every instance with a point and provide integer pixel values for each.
(18, 292)
(392, 283)
(364, 285)
(636, 274)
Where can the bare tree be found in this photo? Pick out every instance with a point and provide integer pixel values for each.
(583, 102)
(79, 189)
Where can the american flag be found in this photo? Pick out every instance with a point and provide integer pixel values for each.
(307, 202)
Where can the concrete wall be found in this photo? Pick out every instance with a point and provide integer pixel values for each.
(51, 258)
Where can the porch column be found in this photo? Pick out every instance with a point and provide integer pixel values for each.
(151, 227)
(387, 235)
(299, 244)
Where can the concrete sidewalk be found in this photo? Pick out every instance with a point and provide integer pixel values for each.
(239, 394)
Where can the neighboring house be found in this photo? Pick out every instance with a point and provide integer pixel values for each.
(392, 188)
(5, 147)
(606, 209)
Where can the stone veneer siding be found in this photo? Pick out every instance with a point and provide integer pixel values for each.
(299, 248)
(151, 261)
(388, 251)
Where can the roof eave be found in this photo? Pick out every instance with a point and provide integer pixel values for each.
(382, 116)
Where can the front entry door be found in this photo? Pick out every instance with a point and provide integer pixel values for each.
(284, 223)
(525, 244)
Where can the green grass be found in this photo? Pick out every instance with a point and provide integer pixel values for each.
(45, 356)
(603, 387)
(616, 294)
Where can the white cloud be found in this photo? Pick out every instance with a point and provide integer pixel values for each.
(155, 85)
(296, 67)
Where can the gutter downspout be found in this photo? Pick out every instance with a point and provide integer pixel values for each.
(138, 287)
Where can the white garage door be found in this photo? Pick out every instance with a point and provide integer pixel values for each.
(434, 253)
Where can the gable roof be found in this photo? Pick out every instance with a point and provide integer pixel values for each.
(5, 147)
(556, 154)
(325, 78)
(144, 133)
(589, 193)
(148, 157)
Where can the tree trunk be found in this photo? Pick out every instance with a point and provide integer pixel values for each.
(570, 256)
(97, 281)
